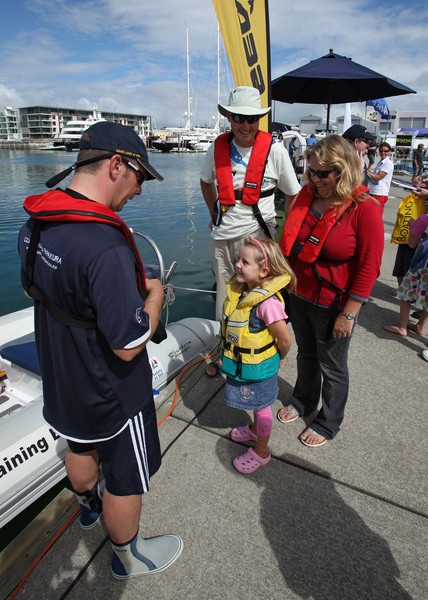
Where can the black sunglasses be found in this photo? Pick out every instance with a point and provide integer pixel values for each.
(140, 175)
(320, 174)
(251, 119)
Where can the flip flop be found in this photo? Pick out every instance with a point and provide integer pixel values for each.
(216, 368)
(291, 410)
(315, 444)
(242, 434)
(249, 462)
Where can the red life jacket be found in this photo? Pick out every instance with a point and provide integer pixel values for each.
(312, 246)
(255, 170)
(57, 205)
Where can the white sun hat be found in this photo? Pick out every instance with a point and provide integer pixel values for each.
(243, 100)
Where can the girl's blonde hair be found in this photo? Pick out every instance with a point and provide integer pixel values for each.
(335, 153)
(277, 263)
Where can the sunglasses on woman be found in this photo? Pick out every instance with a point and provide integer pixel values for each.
(319, 174)
(251, 119)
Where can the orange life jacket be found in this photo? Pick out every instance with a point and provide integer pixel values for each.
(311, 248)
(57, 205)
(250, 193)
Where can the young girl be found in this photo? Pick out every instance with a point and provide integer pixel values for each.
(256, 341)
(414, 287)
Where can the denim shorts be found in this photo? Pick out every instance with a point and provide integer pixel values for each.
(251, 395)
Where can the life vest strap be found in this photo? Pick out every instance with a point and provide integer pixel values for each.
(237, 350)
(265, 194)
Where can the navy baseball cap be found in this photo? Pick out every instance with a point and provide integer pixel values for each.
(114, 138)
(358, 131)
(118, 139)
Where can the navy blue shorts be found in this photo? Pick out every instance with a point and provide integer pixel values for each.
(129, 459)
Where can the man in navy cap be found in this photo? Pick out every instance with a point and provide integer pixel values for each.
(94, 315)
(361, 139)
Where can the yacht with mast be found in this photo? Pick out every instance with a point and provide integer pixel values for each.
(189, 137)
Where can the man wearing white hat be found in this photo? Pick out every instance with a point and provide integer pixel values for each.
(238, 180)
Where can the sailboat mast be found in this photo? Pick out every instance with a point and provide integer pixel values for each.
(217, 123)
(188, 125)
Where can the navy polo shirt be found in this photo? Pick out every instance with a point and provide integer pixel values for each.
(88, 270)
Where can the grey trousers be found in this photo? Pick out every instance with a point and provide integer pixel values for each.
(322, 365)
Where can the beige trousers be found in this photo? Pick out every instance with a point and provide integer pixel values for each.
(224, 254)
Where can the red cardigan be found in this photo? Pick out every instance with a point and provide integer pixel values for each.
(358, 236)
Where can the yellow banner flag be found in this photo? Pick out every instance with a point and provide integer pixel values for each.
(245, 29)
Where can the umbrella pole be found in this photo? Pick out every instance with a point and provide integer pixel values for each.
(328, 118)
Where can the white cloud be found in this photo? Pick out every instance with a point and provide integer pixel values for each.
(131, 57)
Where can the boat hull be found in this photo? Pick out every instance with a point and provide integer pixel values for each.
(32, 453)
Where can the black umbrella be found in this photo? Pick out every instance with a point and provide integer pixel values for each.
(334, 79)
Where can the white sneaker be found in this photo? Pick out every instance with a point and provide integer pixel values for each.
(425, 354)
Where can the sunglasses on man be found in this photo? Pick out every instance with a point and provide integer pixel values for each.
(139, 174)
(251, 119)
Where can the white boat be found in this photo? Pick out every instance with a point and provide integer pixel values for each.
(32, 454)
(72, 131)
(201, 145)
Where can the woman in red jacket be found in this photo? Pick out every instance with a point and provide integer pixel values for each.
(333, 239)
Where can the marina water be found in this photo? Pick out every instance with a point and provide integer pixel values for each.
(172, 212)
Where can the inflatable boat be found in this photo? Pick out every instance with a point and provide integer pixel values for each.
(32, 454)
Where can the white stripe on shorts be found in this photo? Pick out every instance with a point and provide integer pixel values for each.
(136, 428)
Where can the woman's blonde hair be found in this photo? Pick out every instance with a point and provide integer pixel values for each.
(276, 261)
(335, 153)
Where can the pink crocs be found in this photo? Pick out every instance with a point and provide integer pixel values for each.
(242, 434)
(249, 462)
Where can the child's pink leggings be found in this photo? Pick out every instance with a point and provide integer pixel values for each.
(263, 420)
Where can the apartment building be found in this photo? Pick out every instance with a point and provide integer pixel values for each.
(35, 123)
(9, 125)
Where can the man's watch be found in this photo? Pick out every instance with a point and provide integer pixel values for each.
(348, 316)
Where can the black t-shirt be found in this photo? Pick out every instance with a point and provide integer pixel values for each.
(88, 270)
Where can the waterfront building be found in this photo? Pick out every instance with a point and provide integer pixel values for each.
(9, 125)
(402, 119)
(41, 123)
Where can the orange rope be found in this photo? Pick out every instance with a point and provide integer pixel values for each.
(177, 385)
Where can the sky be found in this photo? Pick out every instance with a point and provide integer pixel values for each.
(131, 56)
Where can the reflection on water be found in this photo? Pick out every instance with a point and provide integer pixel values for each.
(172, 212)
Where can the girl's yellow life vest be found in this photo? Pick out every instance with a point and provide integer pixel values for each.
(248, 355)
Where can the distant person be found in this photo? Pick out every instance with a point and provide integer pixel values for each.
(292, 149)
(94, 315)
(280, 138)
(414, 286)
(371, 155)
(333, 239)
(361, 139)
(311, 140)
(421, 184)
(253, 298)
(405, 252)
(379, 180)
(418, 165)
(239, 176)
